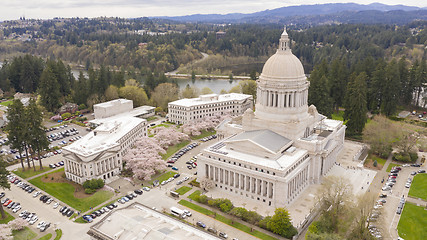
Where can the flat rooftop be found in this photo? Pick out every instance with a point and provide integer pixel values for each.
(104, 136)
(140, 222)
(209, 99)
(133, 113)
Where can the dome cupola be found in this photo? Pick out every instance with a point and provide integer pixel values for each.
(282, 88)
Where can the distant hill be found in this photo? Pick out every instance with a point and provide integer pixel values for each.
(310, 14)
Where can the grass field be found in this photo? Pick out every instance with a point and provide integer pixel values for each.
(30, 172)
(6, 103)
(162, 177)
(183, 190)
(7, 219)
(65, 193)
(413, 222)
(173, 149)
(371, 159)
(24, 234)
(227, 221)
(58, 234)
(203, 134)
(195, 193)
(419, 186)
(46, 237)
(391, 165)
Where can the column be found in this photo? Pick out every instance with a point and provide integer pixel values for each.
(237, 180)
(265, 97)
(231, 179)
(221, 175)
(268, 99)
(248, 183)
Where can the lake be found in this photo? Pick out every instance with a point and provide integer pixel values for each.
(216, 85)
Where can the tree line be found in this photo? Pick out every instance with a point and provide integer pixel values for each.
(376, 86)
(26, 132)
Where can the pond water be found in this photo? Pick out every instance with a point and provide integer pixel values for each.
(216, 85)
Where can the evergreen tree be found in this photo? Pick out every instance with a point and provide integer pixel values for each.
(36, 133)
(338, 81)
(16, 127)
(391, 87)
(4, 183)
(375, 91)
(406, 89)
(81, 89)
(49, 90)
(420, 79)
(355, 109)
(318, 94)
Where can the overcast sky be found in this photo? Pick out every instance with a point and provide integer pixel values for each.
(13, 9)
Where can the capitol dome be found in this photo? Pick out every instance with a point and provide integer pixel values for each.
(283, 65)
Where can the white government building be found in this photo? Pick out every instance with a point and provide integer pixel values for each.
(99, 153)
(192, 109)
(271, 155)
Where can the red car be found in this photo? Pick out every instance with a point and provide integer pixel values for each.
(7, 203)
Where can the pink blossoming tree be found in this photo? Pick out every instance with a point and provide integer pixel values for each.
(169, 136)
(195, 128)
(144, 158)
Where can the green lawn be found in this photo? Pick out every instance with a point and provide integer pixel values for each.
(151, 118)
(413, 222)
(419, 186)
(58, 234)
(183, 190)
(24, 234)
(7, 219)
(162, 177)
(46, 237)
(338, 116)
(173, 149)
(391, 165)
(6, 103)
(30, 172)
(203, 134)
(65, 193)
(227, 221)
(195, 193)
(81, 220)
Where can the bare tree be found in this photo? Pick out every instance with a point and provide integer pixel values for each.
(206, 183)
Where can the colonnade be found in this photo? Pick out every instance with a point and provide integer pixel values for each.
(250, 184)
(279, 99)
(297, 184)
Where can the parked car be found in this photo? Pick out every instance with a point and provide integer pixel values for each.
(421, 171)
(200, 224)
(223, 235)
(87, 218)
(175, 168)
(212, 230)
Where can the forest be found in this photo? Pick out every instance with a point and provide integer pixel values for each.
(383, 65)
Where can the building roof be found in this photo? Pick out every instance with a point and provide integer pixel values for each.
(281, 163)
(104, 137)
(132, 113)
(210, 98)
(140, 222)
(112, 103)
(264, 138)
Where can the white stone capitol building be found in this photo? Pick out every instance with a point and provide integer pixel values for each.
(271, 155)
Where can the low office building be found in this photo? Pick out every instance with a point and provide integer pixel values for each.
(99, 154)
(140, 222)
(121, 107)
(192, 109)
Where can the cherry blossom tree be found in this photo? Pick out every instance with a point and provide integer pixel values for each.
(206, 183)
(18, 224)
(5, 232)
(144, 158)
(169, 136)
(195, 128)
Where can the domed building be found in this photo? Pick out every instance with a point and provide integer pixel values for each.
(271, 155)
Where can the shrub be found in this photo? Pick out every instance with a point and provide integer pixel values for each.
(93, 184)
(66, 115)
(375, 163)
(82, 106)
(404, 157)
(203, 199)
(89, 190)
